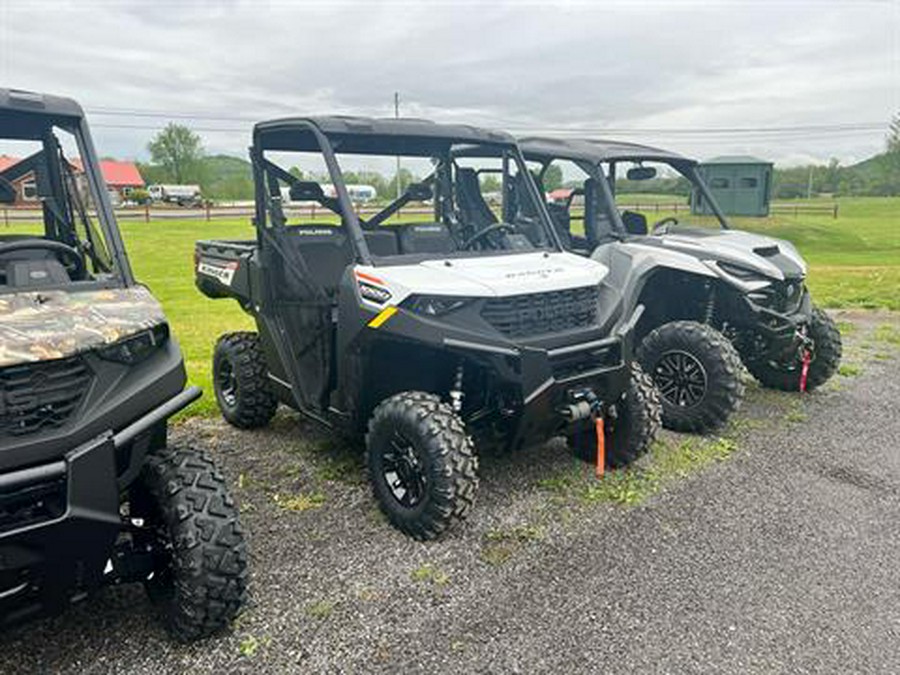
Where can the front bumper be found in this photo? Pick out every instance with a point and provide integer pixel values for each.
(550, 378)
(781, 332)
(59, 521)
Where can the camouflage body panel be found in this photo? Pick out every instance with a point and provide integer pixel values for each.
(47, 325)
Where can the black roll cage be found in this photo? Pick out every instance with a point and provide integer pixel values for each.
(590, 156)
(342, 205)
(28, 116)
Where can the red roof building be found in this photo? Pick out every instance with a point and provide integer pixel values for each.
(6, 161)
(120, 177)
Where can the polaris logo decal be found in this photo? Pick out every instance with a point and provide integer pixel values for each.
(315, 232)
(530, 274)
(223, 273)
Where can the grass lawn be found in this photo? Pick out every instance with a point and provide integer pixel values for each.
(854, 262)
(854, 259)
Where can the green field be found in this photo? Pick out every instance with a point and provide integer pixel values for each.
(854, 258)
(854, 262)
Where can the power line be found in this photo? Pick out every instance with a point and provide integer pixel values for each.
(841, 128)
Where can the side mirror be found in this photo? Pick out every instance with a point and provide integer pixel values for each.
(641, 173)
(635, 223)
(7, 192)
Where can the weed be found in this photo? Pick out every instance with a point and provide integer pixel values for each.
(497, 553)
(320, 609)
(627, 487)
(247, 646)
(520, 533)
(795, 416)
(849, 370)
(428, 573)
(300, 502)
(887, 333)
(558, 484)
(846, 327)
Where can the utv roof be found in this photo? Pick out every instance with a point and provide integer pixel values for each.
(16, 99)
(370, 135)
(544, 149)
(26, 114)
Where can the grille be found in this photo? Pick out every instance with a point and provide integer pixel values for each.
(533, 314)
(39, 396)
(780, 296)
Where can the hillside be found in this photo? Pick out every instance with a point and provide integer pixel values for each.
(226, 177)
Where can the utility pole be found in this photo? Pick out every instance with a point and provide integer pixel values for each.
(397, 117)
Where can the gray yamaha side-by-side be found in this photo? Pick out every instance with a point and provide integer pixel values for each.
(699, 285)
(431, 337)
(90, 493)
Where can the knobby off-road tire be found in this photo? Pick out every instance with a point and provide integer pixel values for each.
(200, 583)
(241, 382)
(825, 358)
(415, 439)
(698, 374)
(633, 430)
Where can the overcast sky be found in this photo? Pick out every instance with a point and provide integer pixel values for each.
(659, 72)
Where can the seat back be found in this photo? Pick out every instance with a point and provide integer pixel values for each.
(473, 209)
(562, 223)
(426, 238)
(382, 241)
(325, 250)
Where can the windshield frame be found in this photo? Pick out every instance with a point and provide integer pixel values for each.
(28, 124)
(328, 144)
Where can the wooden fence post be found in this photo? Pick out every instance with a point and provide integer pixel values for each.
(834, 213)
(207, 211)
(146, 213)
(6, 217)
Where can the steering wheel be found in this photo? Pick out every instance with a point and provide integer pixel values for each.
(662, 226)
(72, 260)
(482, 233)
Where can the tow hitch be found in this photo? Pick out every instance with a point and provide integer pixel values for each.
(586, 405)
(806, 346)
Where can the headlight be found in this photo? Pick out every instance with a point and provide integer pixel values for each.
(374, 293)
(742, 273)
(435, 305)
(136, 348)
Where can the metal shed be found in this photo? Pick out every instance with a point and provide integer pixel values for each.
(742, 186)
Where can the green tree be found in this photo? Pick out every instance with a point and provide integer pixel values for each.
(296, 172)
(179, 151)
(553, 177)
(406, 177)
(490, 183)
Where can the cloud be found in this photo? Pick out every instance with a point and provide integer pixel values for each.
(524, 67)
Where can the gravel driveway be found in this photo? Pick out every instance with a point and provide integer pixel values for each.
(772, 549)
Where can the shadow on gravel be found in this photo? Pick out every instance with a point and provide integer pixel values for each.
(857, 478)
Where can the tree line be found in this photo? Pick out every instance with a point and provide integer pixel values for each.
(177, 156)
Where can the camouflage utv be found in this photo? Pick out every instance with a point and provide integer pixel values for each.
(90, 493)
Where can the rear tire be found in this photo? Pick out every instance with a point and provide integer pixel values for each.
(200, 581)
(698, 374)
(422, 464)
(241, 382)
(631, 433)
(826, 358)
